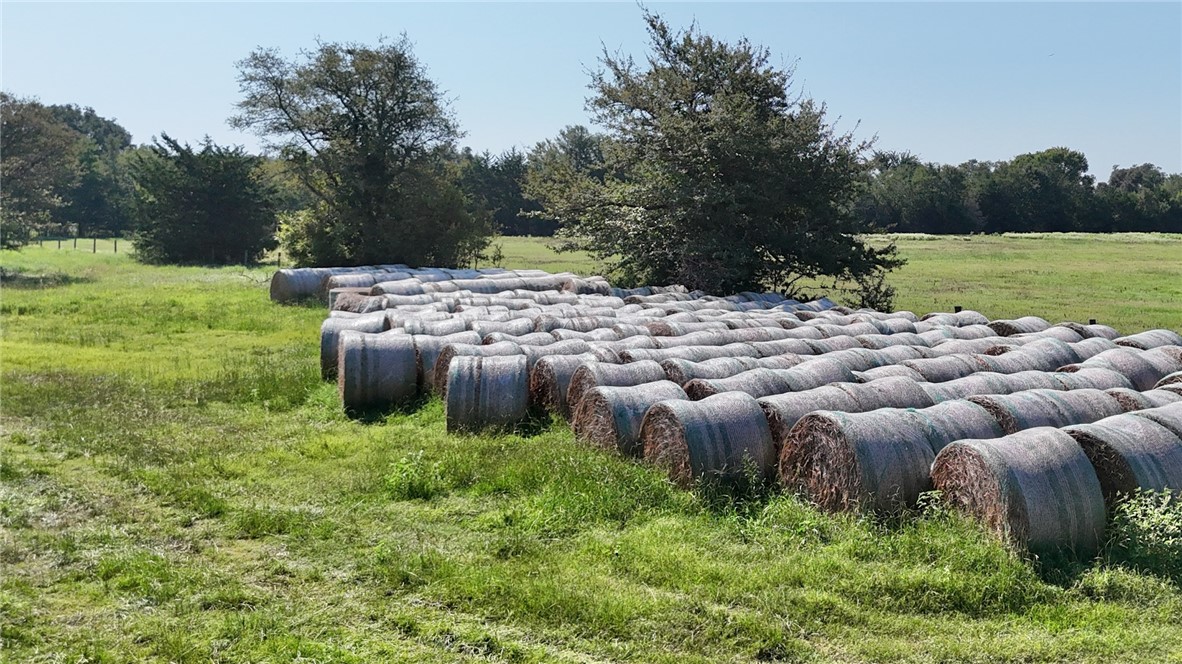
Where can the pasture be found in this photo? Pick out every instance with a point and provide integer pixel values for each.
(178, 485)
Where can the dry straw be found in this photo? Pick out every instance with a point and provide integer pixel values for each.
(1130, 453)
(723, 437)
(375, 370)
(610, 417)
(1035, 488)
(1040, 408)
(591, 376)
(486, 392)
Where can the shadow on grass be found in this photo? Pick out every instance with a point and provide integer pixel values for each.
(379, 414)
(17, 278)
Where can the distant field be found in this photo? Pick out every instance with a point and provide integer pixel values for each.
(178, 485)
(1131, 281)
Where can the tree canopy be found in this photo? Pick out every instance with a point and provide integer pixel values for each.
(714, 174)
(206, 206)
(368, 134)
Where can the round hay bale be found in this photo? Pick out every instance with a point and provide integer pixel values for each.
(887, 393)
(755, 382)
(806, 332)
(1092, 347)
(1040, 408)
(894, 325)
(400, 287)
(1091, 331)
(682, 371)
(783, 411)
(569, 347)
(627, 330)
(875, 461)
(355, 293)
(598, 334)
(1131, 453)
(695, 353)
(988, 382)
(627, 343)
(427, 349)
(669, 328)
(1132, 400)
(782, 347)
(1036, 489)
(1150, 339)
(1091, 377)
(1171, 379)
(880, 341)
(610, 417)
(1169, 416)
(722, 437)
(948, 367)
(437, 328)
(291, 284)
(961, 318)
(531, 339)
(549, 380)
(591, 376)
(364, 280)
(1135, 365)
(1060, 332)
(515, 327)
(375, 370)
(955, 420)
(330, 332)
(822, 346)
(468, 350)
(358, 303)
(817, 372)
(486, 392)
(887, 371)
(1023, 325)
(987, 346)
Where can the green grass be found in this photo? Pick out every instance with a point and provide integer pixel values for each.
(177, 485)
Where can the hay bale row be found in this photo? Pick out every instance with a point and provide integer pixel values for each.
(1131, 400)
(783, 411)
(1144, 368)
(1023, 325)
(682, 371)
(1150, 339)
(962, 318)
(590, 376)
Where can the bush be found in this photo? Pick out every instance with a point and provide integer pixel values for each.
(1146, 534)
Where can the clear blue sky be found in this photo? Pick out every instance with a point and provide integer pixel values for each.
(948, 81)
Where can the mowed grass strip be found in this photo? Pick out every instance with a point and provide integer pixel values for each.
(177, 485)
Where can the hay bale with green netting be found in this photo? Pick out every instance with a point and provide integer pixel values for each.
(724, 437)
(1150, 339)
(1131, 453)
(1023, 325)
(610, 417)
(591, 376)
(1040, 408)
(1132, 400)
(330, 333)
(486, 392)
(375, 370)
(1036, 489)
(443, 361)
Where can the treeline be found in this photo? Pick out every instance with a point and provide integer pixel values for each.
(707, 169)
(1048, 191)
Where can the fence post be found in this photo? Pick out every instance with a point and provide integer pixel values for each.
(116, 245)
(75, 241)
(94, 247)
(279, 261)
(1091, 321)
(957, 309)
(59, 244)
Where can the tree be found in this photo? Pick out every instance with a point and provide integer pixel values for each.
(101, 201)
(207, 206)
(494, 183)
(368, 134)
(38, 161)
(1040, 191)
(714, 176)
(908, 196)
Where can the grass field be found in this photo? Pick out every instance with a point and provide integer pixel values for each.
(177, 485)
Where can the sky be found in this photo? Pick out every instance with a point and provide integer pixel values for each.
(947, 81)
